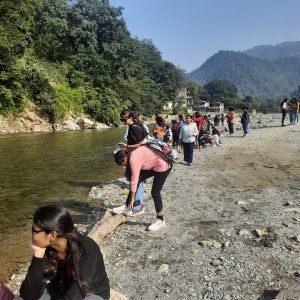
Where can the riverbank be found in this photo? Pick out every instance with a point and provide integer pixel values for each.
(29, 122)
(232, 230)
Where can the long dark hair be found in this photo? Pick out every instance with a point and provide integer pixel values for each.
(57, 218)
(119, 157)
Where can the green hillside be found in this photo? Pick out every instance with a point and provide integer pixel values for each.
(78, 56)
(269, 52)
(263, 79)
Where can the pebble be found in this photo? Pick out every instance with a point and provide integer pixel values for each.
(164, 268)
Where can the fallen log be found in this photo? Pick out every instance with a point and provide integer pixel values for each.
(106, 226)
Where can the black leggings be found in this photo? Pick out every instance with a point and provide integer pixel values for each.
(158, 183)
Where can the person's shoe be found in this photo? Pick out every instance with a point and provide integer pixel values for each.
(158, 224)
(122, 210)
(134, 213)
(185, 163)
(190, 164)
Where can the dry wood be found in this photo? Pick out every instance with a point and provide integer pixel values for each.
(106, 226)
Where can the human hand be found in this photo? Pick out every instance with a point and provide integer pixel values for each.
(130, 203)
(38, 252)
(122, 144)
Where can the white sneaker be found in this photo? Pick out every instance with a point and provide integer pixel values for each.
(185, 162)
(128, 212)
(158, 224)
(122, 210)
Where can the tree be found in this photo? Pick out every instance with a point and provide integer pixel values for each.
(222, 91)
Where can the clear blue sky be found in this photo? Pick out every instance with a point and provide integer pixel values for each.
(188, 32)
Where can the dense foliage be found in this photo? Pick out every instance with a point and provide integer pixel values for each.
(79, 56)
(282, 50)
(266, 80)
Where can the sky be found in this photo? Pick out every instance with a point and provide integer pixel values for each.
(188, 32)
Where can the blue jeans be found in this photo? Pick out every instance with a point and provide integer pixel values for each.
(188, 150)
(138, 196)
(245, 127)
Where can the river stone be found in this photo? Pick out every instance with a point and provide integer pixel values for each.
(261, 232)
(164, 268)
(244, 232)
(207, 244)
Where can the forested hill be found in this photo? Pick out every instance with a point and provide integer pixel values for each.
(78, 56)
(269, 52)
(253, 76)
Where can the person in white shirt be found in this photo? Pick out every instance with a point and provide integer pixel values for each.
(187, 137)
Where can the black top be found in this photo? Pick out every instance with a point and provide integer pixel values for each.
(91, 270)
(135, 134)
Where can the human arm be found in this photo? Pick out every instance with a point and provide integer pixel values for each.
(33, 286)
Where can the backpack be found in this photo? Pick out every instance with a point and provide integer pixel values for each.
(164, 150)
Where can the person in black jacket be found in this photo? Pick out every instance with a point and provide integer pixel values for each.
(65, 263)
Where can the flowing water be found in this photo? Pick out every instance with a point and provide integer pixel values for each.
(51, 167)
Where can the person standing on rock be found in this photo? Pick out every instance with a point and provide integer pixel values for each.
(245, 120)
(284, 109)
(141, 164)
(187, 136)
(65, 263)
(231, 120)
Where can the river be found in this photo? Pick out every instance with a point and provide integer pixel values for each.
(48, 168)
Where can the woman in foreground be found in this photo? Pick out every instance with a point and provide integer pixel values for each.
(141, 164)
(65, 263)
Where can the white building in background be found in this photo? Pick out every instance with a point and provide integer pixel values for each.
(188, 103)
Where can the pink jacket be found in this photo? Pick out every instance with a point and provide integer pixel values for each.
(144, 158)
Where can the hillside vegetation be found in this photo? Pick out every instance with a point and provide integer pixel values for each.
(269, 52)
(78, 56)
(264, 79)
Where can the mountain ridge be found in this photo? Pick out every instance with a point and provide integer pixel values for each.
(253, 76)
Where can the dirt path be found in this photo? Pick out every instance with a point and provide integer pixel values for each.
(246, 184)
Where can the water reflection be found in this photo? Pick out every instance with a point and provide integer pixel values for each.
(42, 168)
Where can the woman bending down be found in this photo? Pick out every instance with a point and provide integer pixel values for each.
(141, 164)
(65, 263)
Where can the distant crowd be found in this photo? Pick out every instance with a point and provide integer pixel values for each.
(291, 108)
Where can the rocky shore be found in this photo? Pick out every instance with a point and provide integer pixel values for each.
(233, 223)
(30, 122)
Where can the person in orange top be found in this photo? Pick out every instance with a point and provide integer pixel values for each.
(231, 120)
(159, 129)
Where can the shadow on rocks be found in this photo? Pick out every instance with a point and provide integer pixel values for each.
(268, 295)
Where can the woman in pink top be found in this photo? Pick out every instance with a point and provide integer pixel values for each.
(140, 165)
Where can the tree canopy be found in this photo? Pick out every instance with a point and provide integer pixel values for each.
(79, 56)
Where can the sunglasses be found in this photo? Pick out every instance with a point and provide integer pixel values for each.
(123, 119)
(33, 230)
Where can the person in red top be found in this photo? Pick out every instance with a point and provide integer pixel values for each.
(141, 164)
(198, 119)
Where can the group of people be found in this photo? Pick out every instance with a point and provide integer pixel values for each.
(69, 265)
(141, 162)
(292, 108)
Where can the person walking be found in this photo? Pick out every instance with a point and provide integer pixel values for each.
(245, 120)
(65, 263)
(284, 109)
(187, 137)
(141, 164)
